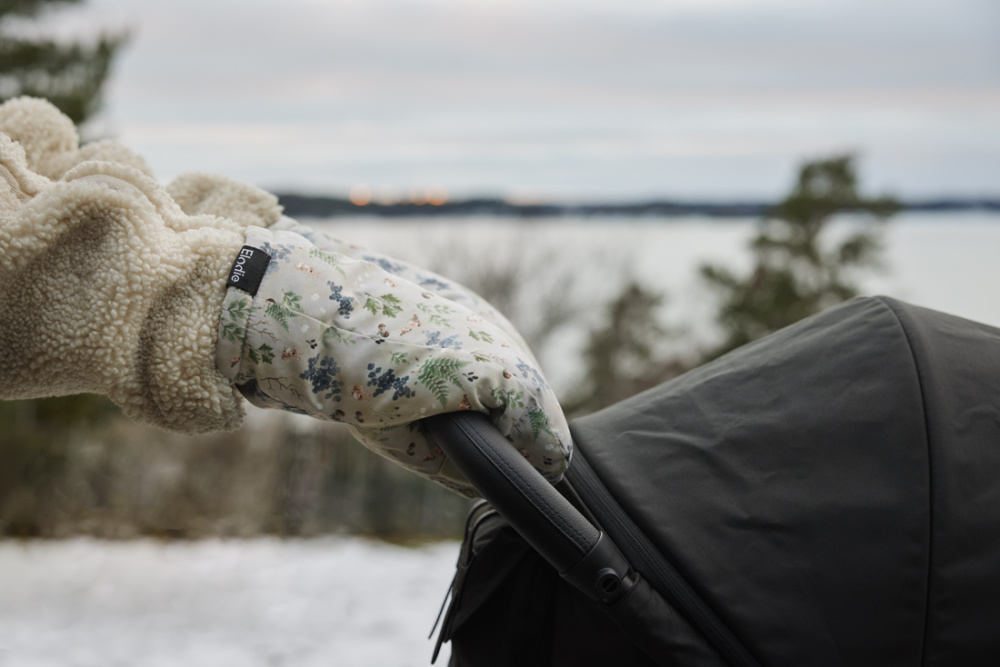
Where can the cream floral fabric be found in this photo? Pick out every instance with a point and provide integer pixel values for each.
(430, 281)
(364, 341)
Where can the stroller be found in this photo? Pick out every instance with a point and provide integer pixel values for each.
(829, 495)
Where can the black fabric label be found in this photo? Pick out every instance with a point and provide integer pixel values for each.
(248, 269)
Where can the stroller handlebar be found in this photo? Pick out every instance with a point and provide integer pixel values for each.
(580, 552)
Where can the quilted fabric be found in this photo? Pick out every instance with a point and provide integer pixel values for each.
(342, 338)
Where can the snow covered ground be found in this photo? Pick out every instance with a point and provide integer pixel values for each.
(262, 602)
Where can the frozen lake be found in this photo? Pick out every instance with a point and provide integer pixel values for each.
(945, 261)
(252, 603)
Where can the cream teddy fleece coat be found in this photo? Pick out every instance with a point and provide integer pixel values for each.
(51, 142)
(108, 287)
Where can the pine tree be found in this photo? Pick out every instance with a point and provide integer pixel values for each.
(626, 354)
(71, 75)
(797, 270)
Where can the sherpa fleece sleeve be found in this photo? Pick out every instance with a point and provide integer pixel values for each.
(341, 338)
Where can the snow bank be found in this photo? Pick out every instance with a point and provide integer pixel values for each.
(331, 601)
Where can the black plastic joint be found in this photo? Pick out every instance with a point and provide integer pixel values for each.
(603, 574)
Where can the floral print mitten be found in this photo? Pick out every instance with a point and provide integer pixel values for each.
(341, 338)
(503, 379)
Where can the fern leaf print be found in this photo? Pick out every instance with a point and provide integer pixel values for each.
(539, 422)
(278, 313)
(387, 304)
(329, 258)
(438, 374)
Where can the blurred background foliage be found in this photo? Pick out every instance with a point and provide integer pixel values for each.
(69, 73)
(74, 465)
(798, 268)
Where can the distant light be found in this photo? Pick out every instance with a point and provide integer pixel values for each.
(385, 195)
(437, 195)
(417, 197)
(360, 195)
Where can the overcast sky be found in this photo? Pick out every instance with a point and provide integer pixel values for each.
(559, 98)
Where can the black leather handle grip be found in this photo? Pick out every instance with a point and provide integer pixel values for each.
(543, 517)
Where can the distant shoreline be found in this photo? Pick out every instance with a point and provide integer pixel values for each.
(297, 205)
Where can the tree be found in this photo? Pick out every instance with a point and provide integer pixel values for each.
(625, 355)
(798, 270)
(71, 75)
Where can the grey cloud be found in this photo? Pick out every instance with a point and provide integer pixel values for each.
(614, 94)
